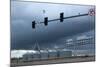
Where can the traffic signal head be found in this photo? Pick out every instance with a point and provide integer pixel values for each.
(46, 21)
(33, 24)
(61, 17)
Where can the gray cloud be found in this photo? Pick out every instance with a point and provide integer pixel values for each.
(23, 13)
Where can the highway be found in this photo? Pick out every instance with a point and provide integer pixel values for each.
(54, 61)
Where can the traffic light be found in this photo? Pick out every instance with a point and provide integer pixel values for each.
(61, 17)
(33, 24)
(46, 21)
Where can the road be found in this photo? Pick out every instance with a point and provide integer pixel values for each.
(54, 61)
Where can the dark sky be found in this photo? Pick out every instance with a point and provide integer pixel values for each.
(23, 13)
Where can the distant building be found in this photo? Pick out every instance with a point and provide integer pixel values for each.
(46, 54)
(80, 45)
(80, 41)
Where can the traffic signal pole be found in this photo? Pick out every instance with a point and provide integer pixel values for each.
(61, 19)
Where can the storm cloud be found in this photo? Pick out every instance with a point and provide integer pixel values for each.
(23, 13)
